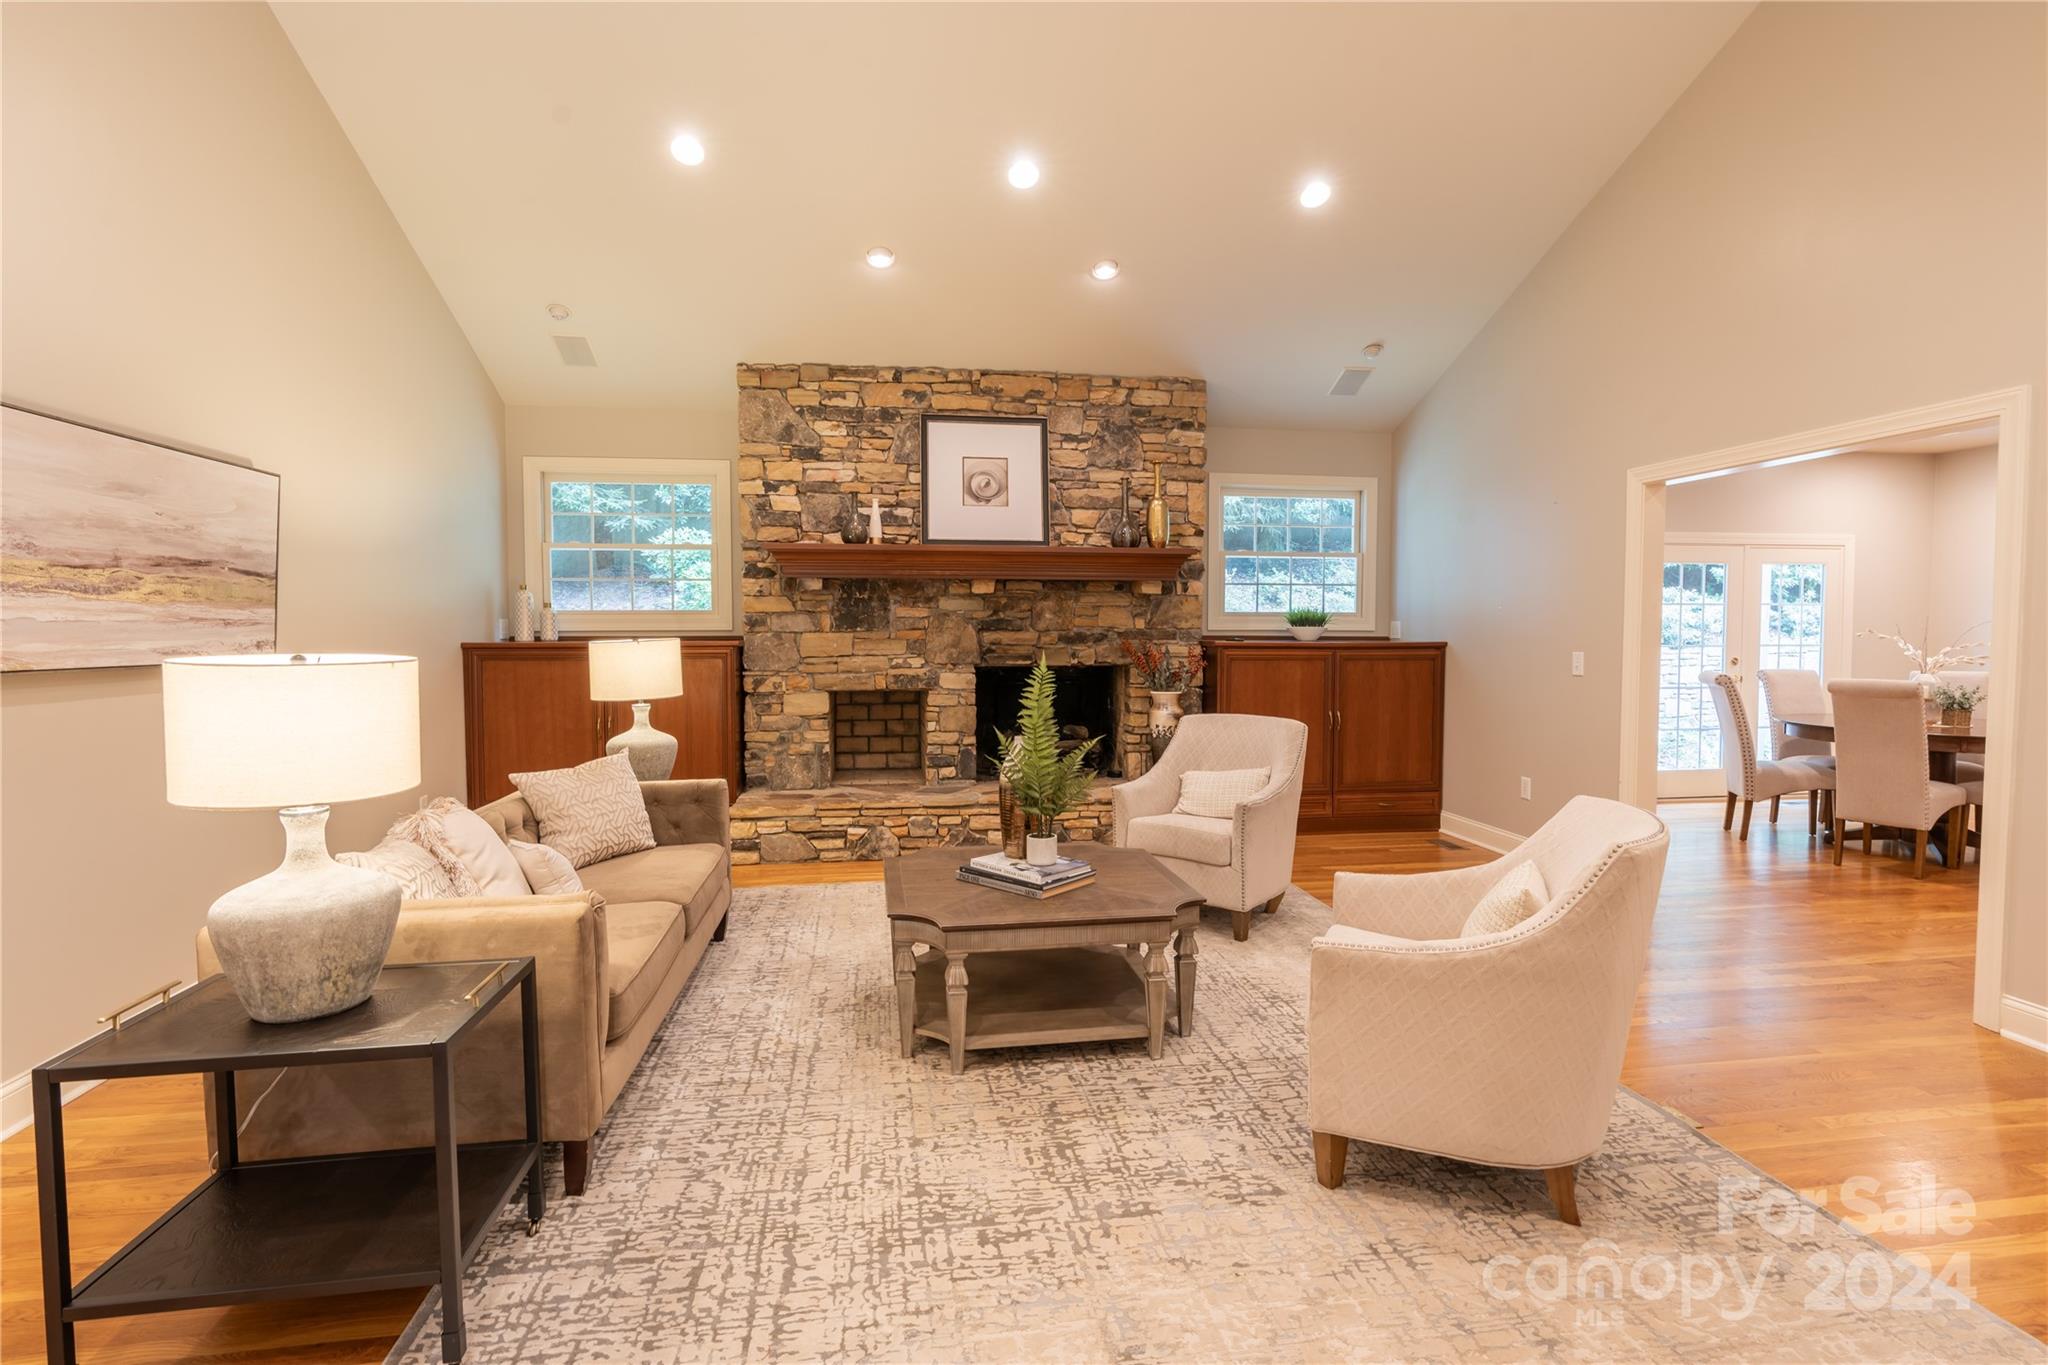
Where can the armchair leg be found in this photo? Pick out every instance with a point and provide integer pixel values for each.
(1564, 1192)
(1728, 815)
(1812, 813)
(1331, 1149)
(1774, 810)
(1747, 807)
(1866, 838)
(575, 1165)
(1240, 925)
(1274, 904)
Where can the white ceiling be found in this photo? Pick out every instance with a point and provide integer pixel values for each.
(523, 149)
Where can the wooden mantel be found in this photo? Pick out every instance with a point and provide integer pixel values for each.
(1044, 563)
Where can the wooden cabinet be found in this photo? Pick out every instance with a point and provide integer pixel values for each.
(1374, 710)
(527, 707)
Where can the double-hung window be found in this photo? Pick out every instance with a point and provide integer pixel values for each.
(631, 544)
(1279, 543)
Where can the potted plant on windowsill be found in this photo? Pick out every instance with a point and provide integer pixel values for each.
(1048, 784)
(1957, 703)
(1307, 623)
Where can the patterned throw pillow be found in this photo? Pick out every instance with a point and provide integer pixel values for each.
(425, 827)
(1218, 795)
(547, 871)
(590, 812)
(419, 877)
(1519, 894)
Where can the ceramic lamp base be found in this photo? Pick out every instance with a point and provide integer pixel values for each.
(309, 938)
(652, 753)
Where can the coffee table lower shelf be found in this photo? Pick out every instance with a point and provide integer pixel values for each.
(1037, 997)
(305, 1227)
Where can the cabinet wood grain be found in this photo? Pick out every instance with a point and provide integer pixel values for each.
(527, 706)
(1374, 709)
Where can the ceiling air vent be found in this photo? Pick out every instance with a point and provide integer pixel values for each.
(575, 350)
(1350, 380)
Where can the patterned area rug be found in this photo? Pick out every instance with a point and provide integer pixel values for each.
(777, 1184)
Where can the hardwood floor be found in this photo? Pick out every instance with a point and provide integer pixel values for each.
(1813, 1019)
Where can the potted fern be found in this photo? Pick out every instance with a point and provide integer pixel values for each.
(1048, 783)
(1307, 623)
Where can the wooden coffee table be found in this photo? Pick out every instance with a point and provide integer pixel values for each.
(1064, 970)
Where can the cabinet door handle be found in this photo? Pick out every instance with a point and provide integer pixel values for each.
(1340, 720)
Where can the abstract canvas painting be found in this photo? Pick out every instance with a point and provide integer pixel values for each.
(115, 552)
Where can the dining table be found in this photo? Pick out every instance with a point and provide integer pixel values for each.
(1944, 743)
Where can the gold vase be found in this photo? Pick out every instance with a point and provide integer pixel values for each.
(1158, 523)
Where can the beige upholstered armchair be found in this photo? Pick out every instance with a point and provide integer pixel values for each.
(1502, 1049)
(1236, 862)
(1881, 756)
(1753, 779)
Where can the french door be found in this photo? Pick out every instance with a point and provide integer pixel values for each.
(1739, 605)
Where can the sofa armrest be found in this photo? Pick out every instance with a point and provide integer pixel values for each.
(1152, 794)
(362, 1106)
(690, 810)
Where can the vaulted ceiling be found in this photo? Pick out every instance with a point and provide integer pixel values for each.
(524, 150)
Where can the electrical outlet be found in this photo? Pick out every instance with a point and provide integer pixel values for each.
(1526, 792)
(1395, 631)
(1578, 663)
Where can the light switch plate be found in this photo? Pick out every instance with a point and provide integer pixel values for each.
(1526, 793)
(1394, 631)
(1578, 663)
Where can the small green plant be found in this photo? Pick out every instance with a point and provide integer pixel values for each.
(1307, 616)
(1048, 784)
(1950, 697)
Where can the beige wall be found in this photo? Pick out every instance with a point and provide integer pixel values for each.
(1960, 544)
(194, 254)
(1341, 454)
(1784, 251)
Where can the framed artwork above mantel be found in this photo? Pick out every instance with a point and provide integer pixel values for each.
(984, 480)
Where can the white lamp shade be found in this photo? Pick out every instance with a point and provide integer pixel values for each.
(262, 731)
(636, 670)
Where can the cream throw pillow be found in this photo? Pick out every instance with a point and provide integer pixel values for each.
(1218, 795)
(483, 853)
(590, 812)
(546, 871)
(1519, 894)
(419, 877)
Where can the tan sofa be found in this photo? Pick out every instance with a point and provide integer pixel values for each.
(609, 962)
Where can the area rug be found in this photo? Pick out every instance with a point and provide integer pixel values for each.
(776, 1183)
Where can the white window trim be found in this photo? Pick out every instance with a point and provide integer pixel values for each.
(537, 469)
(1367, 491)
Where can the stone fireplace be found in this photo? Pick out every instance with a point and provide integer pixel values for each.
(815, 440)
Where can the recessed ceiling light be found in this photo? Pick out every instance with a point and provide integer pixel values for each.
(1023, 172)
(880, 257)
(559, 312)
(687, 149)
(1104, 270)
(1315, 194)
(1372, 351)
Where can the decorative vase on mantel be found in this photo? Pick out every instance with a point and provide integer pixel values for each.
(1125, 536)
(1158, 521)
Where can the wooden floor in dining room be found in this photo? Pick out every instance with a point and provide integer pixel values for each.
(1813, 1019)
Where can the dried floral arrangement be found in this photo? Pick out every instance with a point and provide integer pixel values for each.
(1957, 654)
(1161, 673)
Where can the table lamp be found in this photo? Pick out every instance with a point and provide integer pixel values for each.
(295, 733)
(638, 671)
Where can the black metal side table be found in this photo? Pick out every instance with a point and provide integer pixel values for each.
(305, 1226)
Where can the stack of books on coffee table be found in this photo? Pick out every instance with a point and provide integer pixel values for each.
(1019, 878)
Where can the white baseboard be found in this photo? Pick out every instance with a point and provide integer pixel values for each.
(17, 1106)
(1473, 832)
(2023, 1021)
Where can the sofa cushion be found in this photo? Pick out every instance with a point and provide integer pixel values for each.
(1192, 838)
(1519, 894)
(547, 872)
(642, 941)
(1219, 794)
(689, 875)
(483, 852)
(419, 877)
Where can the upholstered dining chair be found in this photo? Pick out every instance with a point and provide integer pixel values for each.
(1881, 766)
(1794, 691)
(1238, 860)
(1502, 1049)
(1751, 779)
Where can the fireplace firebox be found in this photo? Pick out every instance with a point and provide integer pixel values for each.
(1086, 702)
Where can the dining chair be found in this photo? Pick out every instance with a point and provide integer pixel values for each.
(1881, 766)
(1752, 779)
(1794, 691)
